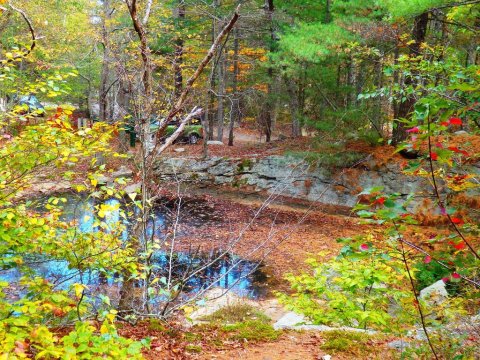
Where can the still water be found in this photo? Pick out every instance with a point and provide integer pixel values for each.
(226, 271)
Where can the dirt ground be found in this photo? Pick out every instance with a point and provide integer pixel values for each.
(292, 346)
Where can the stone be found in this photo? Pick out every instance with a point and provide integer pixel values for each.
(290, 320)
(476, 319)
(133, 188)
(223, 169)
(436, 293)
(122, 172)
(179, 150)
(214, 300)
(103, 180)
(215, 142)
(461, 132)
(327, 357)
(293, 177)
(399, 345)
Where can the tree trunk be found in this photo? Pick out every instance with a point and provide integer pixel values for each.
(235, 111)
(105, 75)
(351, 82)
(406, 107)
(266, 115)
(179, 44)
(328, 13)
(294, 106)
(377, 110)
(221, 95)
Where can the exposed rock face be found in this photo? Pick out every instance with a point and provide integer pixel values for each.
(294, 321)
(436, 293)
(289, 176)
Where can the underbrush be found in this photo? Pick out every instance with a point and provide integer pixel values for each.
(244, 323)
(350, 342)
(231, 324)
(236, 313)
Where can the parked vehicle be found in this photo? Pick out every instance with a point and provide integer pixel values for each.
(29, 104)
(192, 132)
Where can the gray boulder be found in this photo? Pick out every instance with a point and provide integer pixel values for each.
(435, 293)
(289, 321)
(122, 172)
(214, 142)
(399, 345)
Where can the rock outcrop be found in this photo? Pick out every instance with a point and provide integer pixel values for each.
(289, 176)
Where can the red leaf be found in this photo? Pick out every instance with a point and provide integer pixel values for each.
(445, 123)
(456, 275)
(428, 259)
(455, 121)
(380, 201)
(439, 145)
(445, 279)
(459, 246)
(364, 247)
(457, 221)
(414, 130)
(434, 156)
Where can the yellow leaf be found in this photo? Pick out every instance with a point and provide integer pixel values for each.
(188, 310)
(79, 289)
(104, 329)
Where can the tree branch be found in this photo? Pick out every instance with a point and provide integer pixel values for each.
(32, 33)
(455, 4)
(147, 12)
(176, 109)
(193, 114)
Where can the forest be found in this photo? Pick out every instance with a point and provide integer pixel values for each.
(251, 179)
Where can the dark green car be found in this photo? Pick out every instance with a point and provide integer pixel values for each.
(192, 132)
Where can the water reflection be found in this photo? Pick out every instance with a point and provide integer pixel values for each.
(227, 271)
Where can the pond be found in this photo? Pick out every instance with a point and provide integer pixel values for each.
(198, 272)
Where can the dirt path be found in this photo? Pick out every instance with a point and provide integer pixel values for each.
(291, 346)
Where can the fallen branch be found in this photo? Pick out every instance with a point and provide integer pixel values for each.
(196, 111)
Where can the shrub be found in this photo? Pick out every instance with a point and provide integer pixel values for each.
(358, 289)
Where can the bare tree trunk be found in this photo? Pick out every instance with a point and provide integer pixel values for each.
(472, 53)
(377, 112)
(179, 43)
(235, 111)
(143, 112)
(221, 96)
(294, 106)
(328, 12)
(140, 242)
(267, 116)
(105, 75)
(406, 107)
(351, 82)
(211, 110)
(210, 115)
